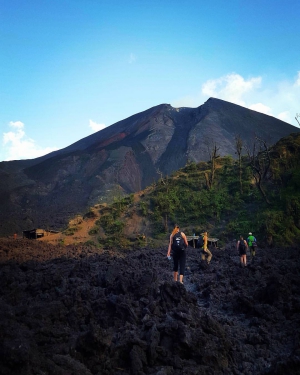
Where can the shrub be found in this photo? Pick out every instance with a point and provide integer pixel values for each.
(93, 231)
(71, 231)
(90, 243)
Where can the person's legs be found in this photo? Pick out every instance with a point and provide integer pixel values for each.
(182, 261)
(241, 261)
(209, 256)
(175, 267)
(244, 260)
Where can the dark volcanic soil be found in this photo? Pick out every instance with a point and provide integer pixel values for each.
(73, 311)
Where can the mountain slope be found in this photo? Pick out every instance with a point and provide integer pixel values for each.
(123, 158)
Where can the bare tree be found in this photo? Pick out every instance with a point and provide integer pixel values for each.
(260, 162)
(212, 150)
(238, 148)
(297, 116)
(161, 176)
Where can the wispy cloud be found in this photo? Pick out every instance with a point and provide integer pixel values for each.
(96, 127)
(132, 58)
(17, 145)
(297, 82)
(232, 86)
(259, 107)
(279, 99)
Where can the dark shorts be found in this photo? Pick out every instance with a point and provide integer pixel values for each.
(242, 251)
(179, 258)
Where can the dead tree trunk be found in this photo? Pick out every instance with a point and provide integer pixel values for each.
(213, 156)
(239, 147)
(260, 163)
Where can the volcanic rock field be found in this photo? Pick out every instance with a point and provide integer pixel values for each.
(76, 310)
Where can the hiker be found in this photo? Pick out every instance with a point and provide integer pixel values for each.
(251, 241)
(205, 251)
(200, 242)
(242, 248)
(178, 243)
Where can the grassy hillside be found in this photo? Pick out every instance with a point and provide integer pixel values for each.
(226, 197)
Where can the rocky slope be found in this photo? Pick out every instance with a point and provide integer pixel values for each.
(123, 158)
(77, 310)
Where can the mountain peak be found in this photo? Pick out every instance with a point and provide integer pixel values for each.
(128, 155)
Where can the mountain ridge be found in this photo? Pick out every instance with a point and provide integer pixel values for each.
(128, 156)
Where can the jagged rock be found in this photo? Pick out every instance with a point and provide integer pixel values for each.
(91, 315)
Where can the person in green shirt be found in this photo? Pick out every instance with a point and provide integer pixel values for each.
(251, 241)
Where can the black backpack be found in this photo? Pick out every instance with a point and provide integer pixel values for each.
(242, 245)
(200, 242)
(178, 242)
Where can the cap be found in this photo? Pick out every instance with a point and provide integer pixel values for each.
(250, 234)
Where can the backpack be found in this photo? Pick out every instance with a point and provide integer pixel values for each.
(242, 245)
(200, 242)
(178, 242)
(251, 240)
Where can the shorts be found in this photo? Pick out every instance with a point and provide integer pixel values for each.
(242, 251)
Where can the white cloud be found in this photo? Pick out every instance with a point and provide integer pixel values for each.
(189, 101)
(259, 107)
(284, 116)
(275, 98)
(232, 86)
(96, 127)
(16, 145)
(297, 82)
(16, 124)
(132, 58)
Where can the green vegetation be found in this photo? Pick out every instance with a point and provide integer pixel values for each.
(71, 231)
(227, 197)
(264, 198)
(90, 214)
(93, 231)
(90, 243)
(112, 224)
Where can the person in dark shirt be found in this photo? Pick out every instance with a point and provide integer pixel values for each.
(178, 243)
(242, 246)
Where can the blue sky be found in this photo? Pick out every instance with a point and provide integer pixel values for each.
(70, 67)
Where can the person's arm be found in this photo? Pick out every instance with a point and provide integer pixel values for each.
(169, 247)
(246, 244)
(237, 245)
